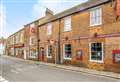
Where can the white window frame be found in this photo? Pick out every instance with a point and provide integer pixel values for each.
(47, 53)
(67, 24)
(64, 53)
(49, 28)
(97, 61)
(99, 17)
(31, 42)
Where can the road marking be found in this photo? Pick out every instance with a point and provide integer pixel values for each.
(14, 71)
(3, 80)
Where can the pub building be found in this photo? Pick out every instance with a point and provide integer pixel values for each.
(87, 35)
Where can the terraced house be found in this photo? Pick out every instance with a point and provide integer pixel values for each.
(86, 35)
(10, 46)
(19, 44)
(15, 44)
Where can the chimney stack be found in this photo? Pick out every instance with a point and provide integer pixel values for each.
(49, 12)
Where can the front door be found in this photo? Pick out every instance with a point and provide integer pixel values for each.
(41, 55)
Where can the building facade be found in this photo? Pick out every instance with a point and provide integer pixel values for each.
(86, 35)
(2, 46)
(10, 46)
(19, 44)
(16, 44)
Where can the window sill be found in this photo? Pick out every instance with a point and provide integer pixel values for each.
(67, 30)
(67, 58)
(92, 25)
(97, 61)
(49, 56)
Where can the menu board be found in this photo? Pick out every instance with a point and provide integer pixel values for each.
(117, 58)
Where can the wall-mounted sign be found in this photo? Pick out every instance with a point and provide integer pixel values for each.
(116, 56)
(32, 28)
(79, 54)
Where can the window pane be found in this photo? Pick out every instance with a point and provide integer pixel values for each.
(67, 51)
(96, 51)
(95, 16)
(67, 24)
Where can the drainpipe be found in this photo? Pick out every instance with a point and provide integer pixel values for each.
(38, 50)
(14, 44)
(59, 49)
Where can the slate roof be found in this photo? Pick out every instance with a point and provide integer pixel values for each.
(79, 8)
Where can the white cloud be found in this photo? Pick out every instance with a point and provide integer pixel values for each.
(55, 5)
(2, 19)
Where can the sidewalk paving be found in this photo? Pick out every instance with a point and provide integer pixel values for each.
(73, 68)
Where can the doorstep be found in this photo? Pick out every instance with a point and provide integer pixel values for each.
(73, 68)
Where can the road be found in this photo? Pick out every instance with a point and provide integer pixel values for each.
(15, 70)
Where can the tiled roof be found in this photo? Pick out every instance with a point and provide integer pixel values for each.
(79, 8)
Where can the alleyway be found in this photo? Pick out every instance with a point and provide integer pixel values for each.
(15, 70)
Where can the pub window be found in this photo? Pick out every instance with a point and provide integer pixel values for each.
(96, 52)
(67, 51)
(49, 51)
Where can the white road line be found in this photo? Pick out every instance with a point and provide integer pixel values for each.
(3, 80)
(14, 71)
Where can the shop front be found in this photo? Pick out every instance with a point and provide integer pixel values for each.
(33, 53)
(19, 50)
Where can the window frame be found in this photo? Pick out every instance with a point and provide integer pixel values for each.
(64, 52)
(47, 52)
(93, 18)
(67, 27)
(49, 29)
(97, 61)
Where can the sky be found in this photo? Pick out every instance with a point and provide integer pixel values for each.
(14, 14)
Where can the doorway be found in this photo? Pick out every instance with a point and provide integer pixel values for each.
(42, 54)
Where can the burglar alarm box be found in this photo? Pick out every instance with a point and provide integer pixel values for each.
(116, 56)
(79, 54)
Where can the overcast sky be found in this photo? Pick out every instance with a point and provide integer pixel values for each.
(16, 13)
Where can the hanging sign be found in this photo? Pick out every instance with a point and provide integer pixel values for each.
(117, 7)
(79, 54)
(32, 28)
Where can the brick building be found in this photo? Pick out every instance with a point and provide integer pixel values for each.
(10, 46)
(15, 44)
(86, 35)
(2, 46)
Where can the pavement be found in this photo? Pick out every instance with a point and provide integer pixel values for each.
(19, 70)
